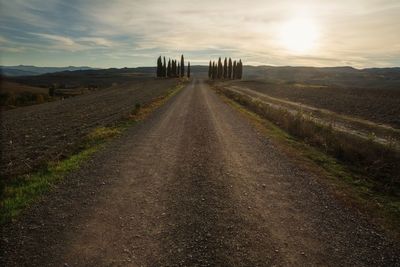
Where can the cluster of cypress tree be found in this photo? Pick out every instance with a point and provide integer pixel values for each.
(227, 70)
(172, 69)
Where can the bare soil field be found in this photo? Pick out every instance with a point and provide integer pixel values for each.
(84, 78)
(374, 104)
(194, 185)
(30, 90)
(13, 87)
(34, 135)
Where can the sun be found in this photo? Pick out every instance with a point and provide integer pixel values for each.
(299, 35)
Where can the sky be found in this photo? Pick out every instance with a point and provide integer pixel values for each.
(131, 33)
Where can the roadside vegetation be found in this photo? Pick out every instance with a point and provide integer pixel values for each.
(20, 192)
(369, 168)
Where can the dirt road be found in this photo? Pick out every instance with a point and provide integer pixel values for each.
(194, 185)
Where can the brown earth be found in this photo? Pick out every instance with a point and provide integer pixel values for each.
(13, 87)
(380, 105)
(32, 136)
(194, 185)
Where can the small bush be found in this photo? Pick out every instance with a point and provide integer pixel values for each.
(40, 99)
(136, 109)
(101, 133)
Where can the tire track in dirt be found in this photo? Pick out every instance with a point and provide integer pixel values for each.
(208, 229)
(194, 185)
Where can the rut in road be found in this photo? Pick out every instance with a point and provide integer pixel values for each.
(196, 185)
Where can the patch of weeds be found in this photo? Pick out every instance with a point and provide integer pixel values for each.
(349, 182)
(102, 133)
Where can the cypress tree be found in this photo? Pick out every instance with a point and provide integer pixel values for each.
(182, 66)
(188, 70)
(219, 68)
(225, 68)
(173, 68)
(209, 70)
(176, 68)
(164, 71)
(159, 66)
(234, 70)
(230, 69)
(179, 69)
(214, 70)
(169, 68)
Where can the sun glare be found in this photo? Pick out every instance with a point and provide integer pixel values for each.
(299, 36)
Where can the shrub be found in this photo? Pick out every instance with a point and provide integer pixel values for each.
(39, 99)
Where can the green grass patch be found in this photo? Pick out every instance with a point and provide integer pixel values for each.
(350, 184)
(24, 190)
(27, 188)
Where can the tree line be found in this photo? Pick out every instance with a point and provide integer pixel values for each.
(227, 70)
(173, 68)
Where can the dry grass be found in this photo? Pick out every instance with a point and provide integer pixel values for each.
(364, 156)
(353, 188)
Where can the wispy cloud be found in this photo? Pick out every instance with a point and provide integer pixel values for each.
(356, 32)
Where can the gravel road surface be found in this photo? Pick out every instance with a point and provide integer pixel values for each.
(194, 185)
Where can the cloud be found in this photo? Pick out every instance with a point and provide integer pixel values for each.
(357, 32)
(97, 41)
(60, 42)
(77, 44)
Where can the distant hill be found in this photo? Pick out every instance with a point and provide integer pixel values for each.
(330, 76)
(23, 70)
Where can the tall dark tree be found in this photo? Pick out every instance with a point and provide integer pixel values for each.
(178, 69)
(214, 70)
(159, 67)
(220, 68)
(182, 66)
(173, 74)
(188, 70)
(164, 74)
(234, 70)
(210, 70)
(169, 68)
(225, 68)
(230, 69)
(174, 68)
